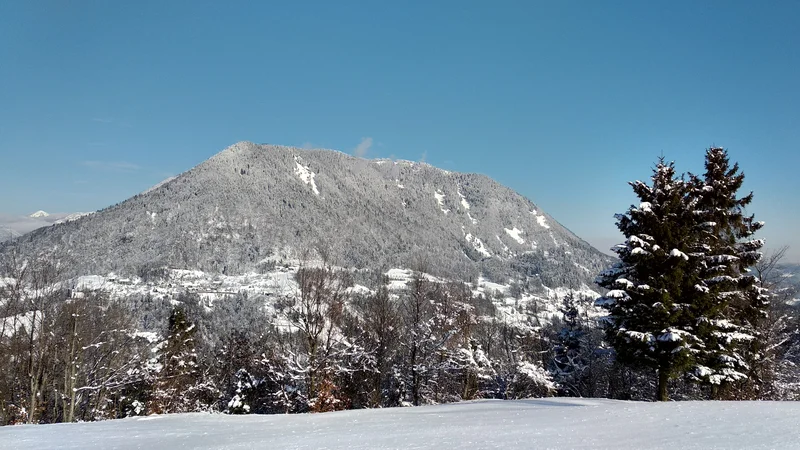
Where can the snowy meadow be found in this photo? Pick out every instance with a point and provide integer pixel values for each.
(537, 423)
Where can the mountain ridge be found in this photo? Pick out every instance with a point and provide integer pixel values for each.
(251, 205)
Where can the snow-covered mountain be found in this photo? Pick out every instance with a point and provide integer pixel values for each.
(252, 205)
(39, 215)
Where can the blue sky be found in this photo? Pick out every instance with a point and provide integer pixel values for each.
(563, 101)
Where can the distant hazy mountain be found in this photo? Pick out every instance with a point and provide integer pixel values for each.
(39, 215)
(253, 205)
(791, 277)
(14, 226)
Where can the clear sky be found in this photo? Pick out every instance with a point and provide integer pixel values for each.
(564, 101)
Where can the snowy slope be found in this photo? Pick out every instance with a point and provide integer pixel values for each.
(790, 273)
(525, 424)
(8, 233)
(271, 285)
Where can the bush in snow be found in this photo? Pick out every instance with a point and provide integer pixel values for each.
(530, 380)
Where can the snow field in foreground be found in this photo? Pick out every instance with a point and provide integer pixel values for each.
(490, 424)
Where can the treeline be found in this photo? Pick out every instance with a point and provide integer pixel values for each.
(71, 356)
(77, 356)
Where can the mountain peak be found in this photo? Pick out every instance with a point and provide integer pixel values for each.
(39, 214)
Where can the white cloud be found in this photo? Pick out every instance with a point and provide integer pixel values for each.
(363, 147)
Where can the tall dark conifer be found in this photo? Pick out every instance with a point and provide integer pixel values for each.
(650, 321)
(734, 303)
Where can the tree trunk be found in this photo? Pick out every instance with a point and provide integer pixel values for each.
(312, 369)
(663, 377)
(70, 373)
(414, 376)
(33, 372)
(377, 394)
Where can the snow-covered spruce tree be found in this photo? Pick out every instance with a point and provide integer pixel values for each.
(570, 362)
(651, 320)
(245, 385)
(179, 385)
(735, 302)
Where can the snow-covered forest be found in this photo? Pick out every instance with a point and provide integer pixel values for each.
(691, 310)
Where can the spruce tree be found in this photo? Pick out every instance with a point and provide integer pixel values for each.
(650, 320)
(734, 303)
(177, 366)
(570, 361)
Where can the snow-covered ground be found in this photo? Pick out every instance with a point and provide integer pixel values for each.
(529, 424)
(281, 282)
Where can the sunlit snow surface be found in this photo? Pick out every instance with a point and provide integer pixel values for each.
(478, 245)
(515, 234)
(306, 175)
(541, 220)
(492, 424)
(440, 199)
